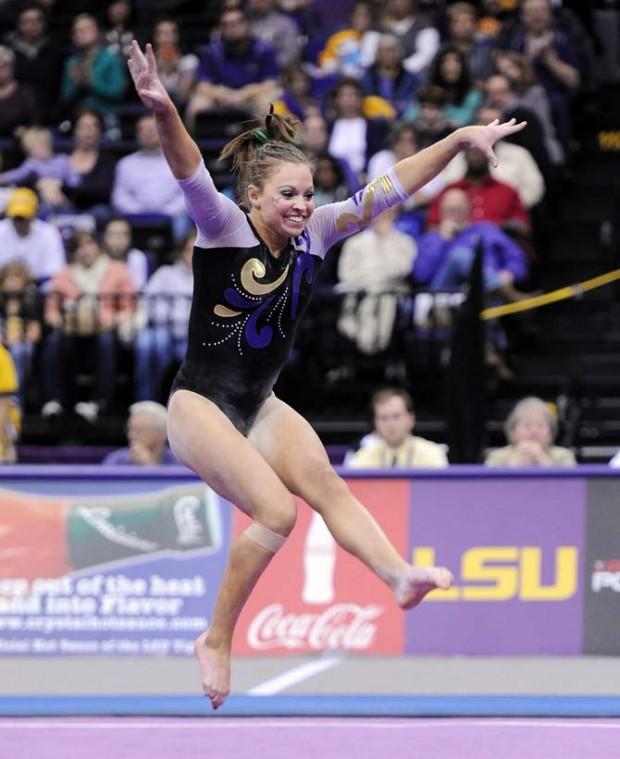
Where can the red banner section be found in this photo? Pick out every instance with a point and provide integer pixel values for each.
(33, 538)
(315, 596)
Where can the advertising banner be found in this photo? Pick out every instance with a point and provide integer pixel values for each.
(516, 549)
(316, 597)
(123, 573)
(601, 620)
(96, 565)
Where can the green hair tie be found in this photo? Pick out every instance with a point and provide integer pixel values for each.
(260, 135)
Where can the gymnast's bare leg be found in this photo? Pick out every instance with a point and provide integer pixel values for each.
(205, 440)
(298, 457)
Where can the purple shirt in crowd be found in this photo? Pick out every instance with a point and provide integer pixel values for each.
(219, 64)
(122, 457)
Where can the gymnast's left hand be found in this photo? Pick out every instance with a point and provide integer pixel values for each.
(484, 137)
(143, 70)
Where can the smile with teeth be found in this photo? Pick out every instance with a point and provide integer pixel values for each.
(295, 219)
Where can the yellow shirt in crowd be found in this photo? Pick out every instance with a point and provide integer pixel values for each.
(9, 429)
(414, 452)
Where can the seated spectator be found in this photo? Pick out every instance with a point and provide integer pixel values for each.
(144, 184)
(330, 181)
(446, 254)
(10, 417)
(165, 310)
(25, 238)
(501, 94)
(418, 36)
(92, 76)
(94, 167)
(116, 243)
(490, 199)
(373, 269)
(296, 98)
(530, 430)
(315, 139)
(554, 56)
(236, 71)
(353, 136)
(20, 319)
(449, 72)
(177, 70)
(516, 167)
(388, 79)
(147, 438)
(18, 104)
(427, 115)
(463, 34)
(117, 31)
(349, 51)
(276, 29)
(393, 444)
(38, 59)
(523, 92)
(41, 162)
(93, 298)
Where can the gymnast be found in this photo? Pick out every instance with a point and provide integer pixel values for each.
(254, 269)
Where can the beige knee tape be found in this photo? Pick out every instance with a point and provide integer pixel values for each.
(265, 537)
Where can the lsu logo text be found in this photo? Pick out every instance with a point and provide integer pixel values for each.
(501, 573)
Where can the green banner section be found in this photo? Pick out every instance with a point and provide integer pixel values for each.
(105, 529)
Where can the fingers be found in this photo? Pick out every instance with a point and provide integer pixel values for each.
(492, 158)
(518, 127)
(137, 55)
(150, 59)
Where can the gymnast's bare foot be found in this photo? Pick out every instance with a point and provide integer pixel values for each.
(415, 582)
(214, 661)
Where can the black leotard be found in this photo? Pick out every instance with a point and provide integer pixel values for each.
(246, 302)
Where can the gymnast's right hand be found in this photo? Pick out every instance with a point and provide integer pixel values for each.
(143, 70)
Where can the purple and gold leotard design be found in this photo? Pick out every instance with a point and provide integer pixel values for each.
(247, 303)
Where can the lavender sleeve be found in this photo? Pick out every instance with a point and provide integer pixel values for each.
(334, 221)
(219, 221)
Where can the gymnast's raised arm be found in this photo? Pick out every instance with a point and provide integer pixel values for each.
(218, 219)
(181, 151)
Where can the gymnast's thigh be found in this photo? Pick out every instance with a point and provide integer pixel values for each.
(205, 440)
(295, 452)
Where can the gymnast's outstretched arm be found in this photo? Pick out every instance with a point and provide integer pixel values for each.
(218, 219)
(416, 170)
(181, 151)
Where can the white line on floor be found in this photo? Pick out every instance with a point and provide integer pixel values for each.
(309, 723)
(296, 675)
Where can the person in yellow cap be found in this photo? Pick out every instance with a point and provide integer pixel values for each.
(25, 238)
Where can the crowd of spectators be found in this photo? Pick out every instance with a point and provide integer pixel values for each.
(371, 82)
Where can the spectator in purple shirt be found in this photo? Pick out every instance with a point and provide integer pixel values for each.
(146, 434)
(445, 255)
(236, 71)
(554, 55)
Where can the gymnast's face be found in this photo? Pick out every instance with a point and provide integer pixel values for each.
(286, 200)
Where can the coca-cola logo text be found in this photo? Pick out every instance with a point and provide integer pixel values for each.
(344, 626)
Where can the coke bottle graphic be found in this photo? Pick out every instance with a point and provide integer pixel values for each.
(44, 537)
(319, 562)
